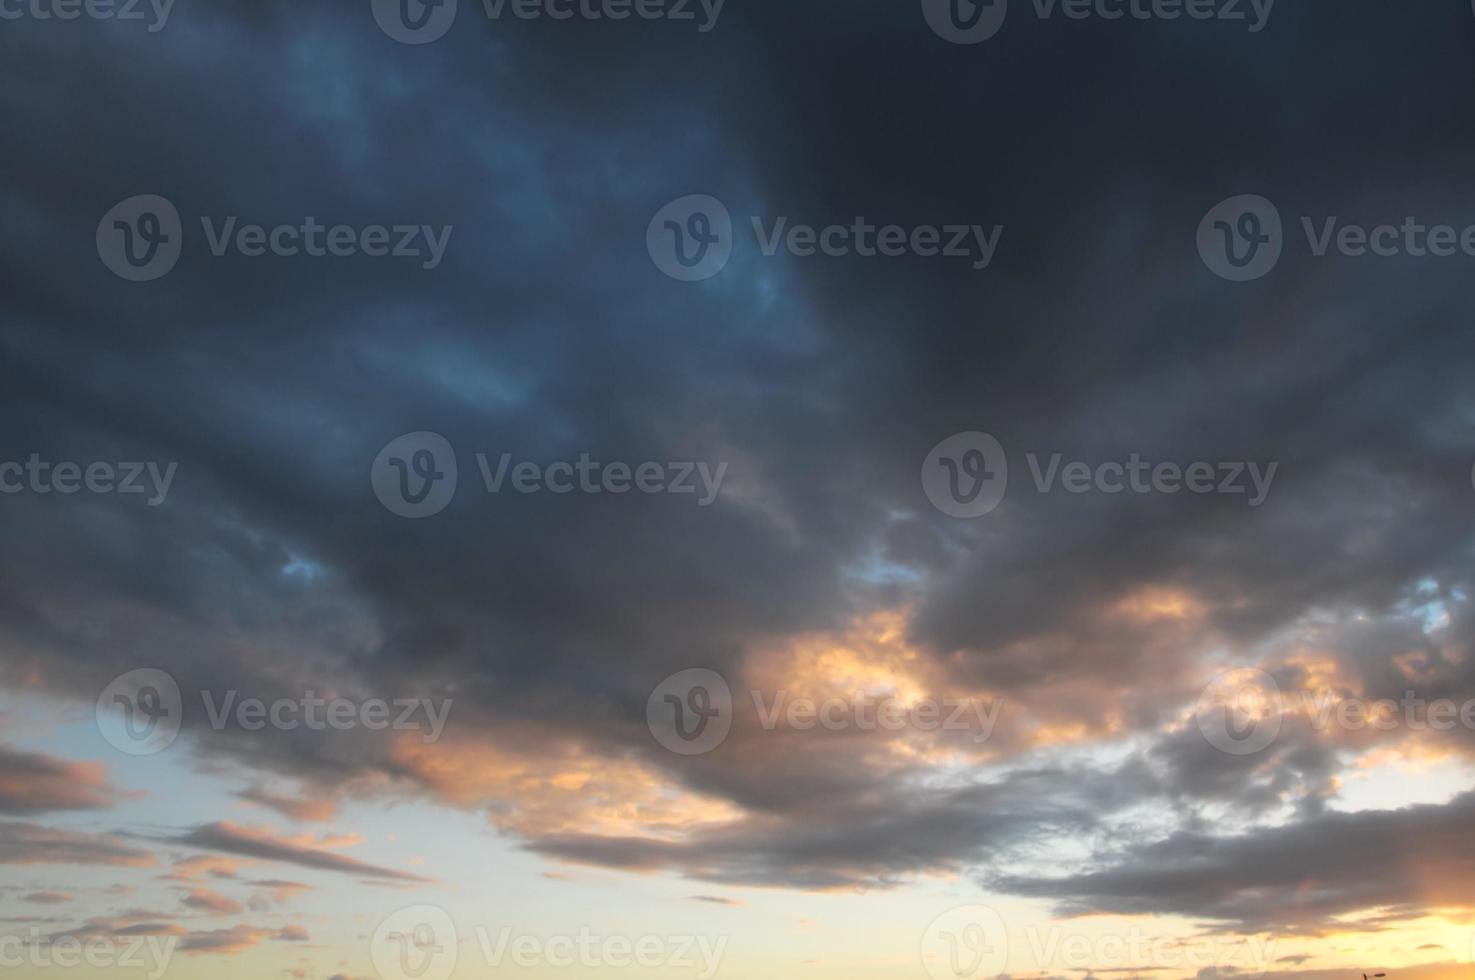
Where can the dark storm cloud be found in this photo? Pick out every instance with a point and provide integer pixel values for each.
(548, 332)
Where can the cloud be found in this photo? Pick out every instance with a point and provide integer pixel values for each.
(29, 843)
(281, 890)
(198, 865)
(48, 898)
(1096, 618)
(212, 903)
(230, 941)
(237, 939)
(293, 807)
(231, 838)
(1294, 877)
(33, 783)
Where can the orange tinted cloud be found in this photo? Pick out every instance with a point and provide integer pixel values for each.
(32, 782)
(213, 903)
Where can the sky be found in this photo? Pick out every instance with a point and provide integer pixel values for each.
(804, 489)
